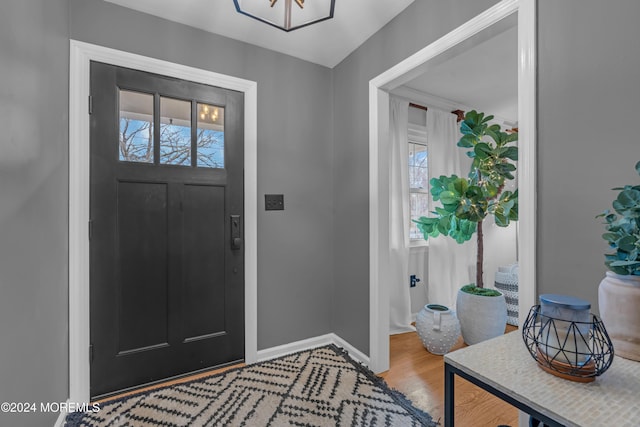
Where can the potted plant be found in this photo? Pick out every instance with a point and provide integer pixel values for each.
(466, 202)
(619, 291)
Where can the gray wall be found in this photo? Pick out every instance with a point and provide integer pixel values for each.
(589, 57)
(295, 269)
(33, 206)
(420, 24)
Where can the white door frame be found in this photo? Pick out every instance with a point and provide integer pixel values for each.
(79, 75)
(379, 88)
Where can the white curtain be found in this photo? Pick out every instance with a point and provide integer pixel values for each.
(451, 265)
(399, 297)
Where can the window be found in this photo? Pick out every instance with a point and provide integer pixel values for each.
(177, 143)
(418, 178)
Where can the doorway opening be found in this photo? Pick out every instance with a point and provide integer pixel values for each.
(483, 26)
(81, 55)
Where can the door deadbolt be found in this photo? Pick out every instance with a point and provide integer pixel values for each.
(236, 239)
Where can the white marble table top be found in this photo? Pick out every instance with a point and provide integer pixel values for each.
(613, 399)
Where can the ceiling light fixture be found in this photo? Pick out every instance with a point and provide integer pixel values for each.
(279, 13)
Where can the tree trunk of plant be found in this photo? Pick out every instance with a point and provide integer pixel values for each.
(480, 258)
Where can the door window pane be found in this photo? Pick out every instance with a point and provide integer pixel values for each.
(135, 137)
(210, 141)
(175, 131)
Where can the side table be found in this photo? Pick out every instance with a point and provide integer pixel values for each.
(504, 367)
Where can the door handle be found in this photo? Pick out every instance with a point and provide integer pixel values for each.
(236, 239)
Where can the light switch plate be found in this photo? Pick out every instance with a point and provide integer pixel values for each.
(273, 202)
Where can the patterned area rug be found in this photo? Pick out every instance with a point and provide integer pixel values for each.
(319, 387)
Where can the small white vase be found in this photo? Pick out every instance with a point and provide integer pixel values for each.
(438, 328)
(619, 306)
(481, 317)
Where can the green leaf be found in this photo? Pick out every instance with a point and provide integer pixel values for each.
(494, 134)
(474, 192)
(460, 186)
(465, 129)
(441, 211)
(616, 269)
(610, 237)
(450, 207)
(428, 226)
(501, 220)
(474, 290)
(506, 167)
(471, 116)
(628, 199)
(507, 195)
(627, 243)
(443, 225)
(509, 175)
(482, 150)
(438, 185)
(494, 128)
(511, 137)
(624, 263)
(490, 190)
(467, 141)
(461, 230)
(507, 205)
(510, 153)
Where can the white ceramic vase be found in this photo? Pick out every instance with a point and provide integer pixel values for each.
(619, 306)
(438, 328)
(481, 317)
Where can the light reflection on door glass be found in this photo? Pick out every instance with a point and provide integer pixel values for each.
(175, 132)
(210, 140)
(135, 138)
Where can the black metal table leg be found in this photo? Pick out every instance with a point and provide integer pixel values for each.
(449, 405)
(449, 395)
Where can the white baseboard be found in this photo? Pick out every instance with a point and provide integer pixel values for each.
(355, 354)
(61, 417)
(309, 343)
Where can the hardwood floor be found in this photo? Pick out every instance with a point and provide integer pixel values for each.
(420, 376)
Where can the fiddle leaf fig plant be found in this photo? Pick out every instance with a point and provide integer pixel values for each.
(467, 201)
(623, 230)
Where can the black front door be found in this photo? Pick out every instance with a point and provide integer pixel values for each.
(166, 252)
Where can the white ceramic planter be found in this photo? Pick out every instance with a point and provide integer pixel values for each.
(481, 317)
(619, 305)
(438, 328)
